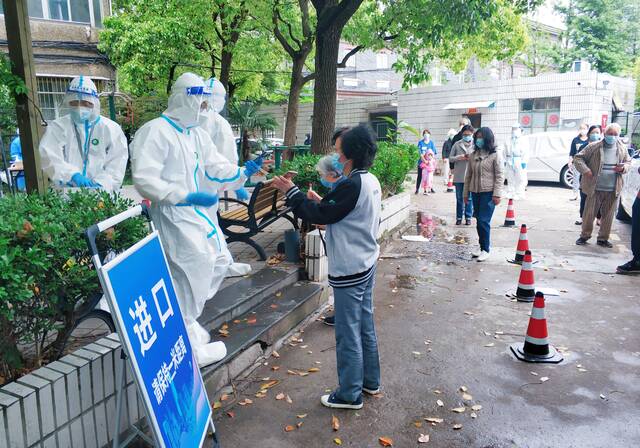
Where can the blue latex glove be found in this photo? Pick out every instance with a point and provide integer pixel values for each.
(78, 180)
(203, 199)
(251, 168)
(242, 194)
(524, 166)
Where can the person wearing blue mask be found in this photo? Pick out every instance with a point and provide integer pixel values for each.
(484, 180)
(175, 165)
(460, 154)
(425, 145)
(594, 134)
(602, 165)
(82, 148)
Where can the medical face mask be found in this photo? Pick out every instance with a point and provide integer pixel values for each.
(326, 183)
(594, 137)
(426, 137)
(335, 159)
(610, 139)
(81, 114)
(583, 132)
(467, 138)
(480, 143)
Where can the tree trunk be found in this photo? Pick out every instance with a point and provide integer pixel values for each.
(246, 153)
(297, 82)
(226, 59)
(324, 96)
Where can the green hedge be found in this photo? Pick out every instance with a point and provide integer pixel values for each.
(46, 269)
(391, 166)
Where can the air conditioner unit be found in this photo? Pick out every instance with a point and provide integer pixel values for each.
(580, 66)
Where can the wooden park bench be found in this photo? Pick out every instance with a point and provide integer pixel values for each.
(265, 207)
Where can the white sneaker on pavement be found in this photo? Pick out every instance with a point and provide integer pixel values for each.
(476, 253)
(483, 256)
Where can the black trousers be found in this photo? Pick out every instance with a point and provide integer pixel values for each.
(419, 181)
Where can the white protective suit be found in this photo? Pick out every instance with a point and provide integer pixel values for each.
(84, 142)
(171, 157)
(221, 133)
(516, 160)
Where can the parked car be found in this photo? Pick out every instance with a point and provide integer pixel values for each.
(630, 189)
(549, 156)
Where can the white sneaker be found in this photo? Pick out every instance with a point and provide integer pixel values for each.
(476, 253)
(483, 256)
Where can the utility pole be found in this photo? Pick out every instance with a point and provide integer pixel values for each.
(16, 19)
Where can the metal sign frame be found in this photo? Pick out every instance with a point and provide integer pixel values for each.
(102, 270)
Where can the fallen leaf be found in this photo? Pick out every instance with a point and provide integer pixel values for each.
(335, 423)
(223, 333)
(280, 396)
(434, 419)
(279, 293)
(467, 397)
(337, 441)
(474, 415)
(301, 415)
(417, 353)
(459, 410)
(231, 414)
(273, 306)
(463, 389)
(224, 397)
(303, 374)
(252, 320)
(275, 354)
(299, 424)
(313, 369)
(274, 368)
(417, 424)
(457, 426)
(237, 321)
(289, 428)
(437, 392)
(476, 407)
(248, 401)
(261, 394)
(224, 327)
(269, 385)
(582, 370)
(424, 438)
(440, 403)
(292, 372)
(534, 373)
(217, 405)
(544, 378)
(468, 313)
(304, 346)
(288, 399)
(385, 441)
(603, 396)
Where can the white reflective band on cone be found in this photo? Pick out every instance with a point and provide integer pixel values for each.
(537, 313)
(536, 341)
(526, 266)
(521, 286)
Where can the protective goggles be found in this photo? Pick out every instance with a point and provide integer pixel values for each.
(198, 90)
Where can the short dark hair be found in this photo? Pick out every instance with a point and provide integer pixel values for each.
(467, 127)
(359, 145)
(426, 131)
(488, 137)
(593, 127)
(339, 133)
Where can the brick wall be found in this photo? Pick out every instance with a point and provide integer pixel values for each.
(70, 402)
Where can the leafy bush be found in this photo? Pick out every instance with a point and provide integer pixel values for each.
(393, 163)
(46, 269)
(391, 166)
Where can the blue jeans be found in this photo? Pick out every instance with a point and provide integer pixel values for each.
(460, 207)
(483, 206)
(356, 341)
(635, 229)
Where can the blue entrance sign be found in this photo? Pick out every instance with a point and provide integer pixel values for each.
(147, 314)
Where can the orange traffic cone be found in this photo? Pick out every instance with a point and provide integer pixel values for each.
(523, 246)
(536, 346)
(450, 183)
(526, 288)
(510, 219)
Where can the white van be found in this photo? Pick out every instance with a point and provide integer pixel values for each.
(549, 156)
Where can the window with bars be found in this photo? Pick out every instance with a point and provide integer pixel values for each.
(78, 11)
(539, 114)
(51, 91)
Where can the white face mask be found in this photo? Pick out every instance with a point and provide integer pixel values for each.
(583, 132)
(426, 137)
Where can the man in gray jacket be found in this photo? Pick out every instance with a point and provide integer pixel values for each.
(602, 165)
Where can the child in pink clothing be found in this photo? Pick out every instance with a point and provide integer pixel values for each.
(428, 166)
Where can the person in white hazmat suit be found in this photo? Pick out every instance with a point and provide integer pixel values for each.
(175, 165)
(82, 148)
(221, 133)
(516, 158)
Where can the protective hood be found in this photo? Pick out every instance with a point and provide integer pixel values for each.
(189, 101)
(81, 88)
(219, 94)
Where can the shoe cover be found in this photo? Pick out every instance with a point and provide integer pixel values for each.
(238, 269)
(209, 353)
(197, 334)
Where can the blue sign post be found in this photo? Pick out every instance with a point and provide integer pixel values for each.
(143, 302)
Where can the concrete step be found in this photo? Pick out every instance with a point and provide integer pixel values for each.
(245, 294)
(250, 333)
